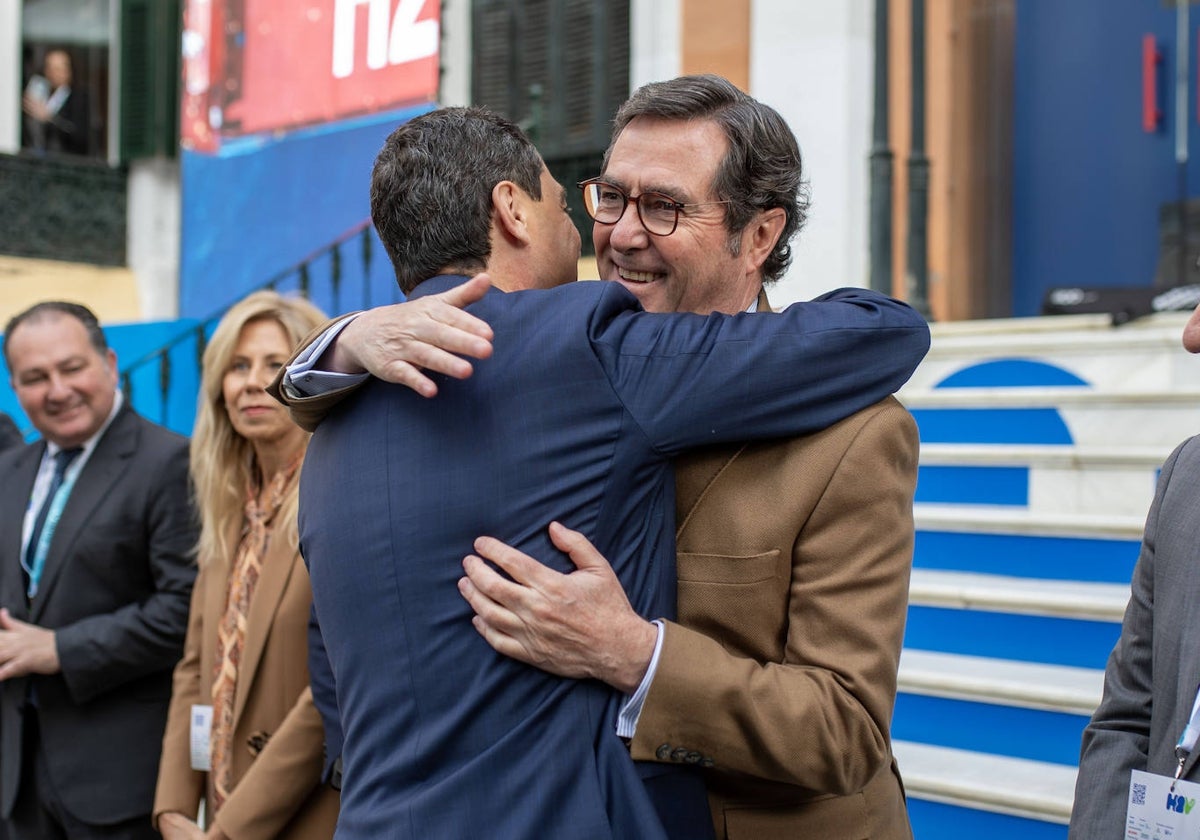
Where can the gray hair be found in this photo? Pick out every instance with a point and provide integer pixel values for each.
(762, 169)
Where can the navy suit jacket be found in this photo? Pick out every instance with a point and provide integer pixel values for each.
(576, 416)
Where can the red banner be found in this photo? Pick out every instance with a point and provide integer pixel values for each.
(254, 66)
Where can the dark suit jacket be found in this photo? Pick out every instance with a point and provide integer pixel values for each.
(10, 435)
(1152, 674)
(115, 588)
(575, 416)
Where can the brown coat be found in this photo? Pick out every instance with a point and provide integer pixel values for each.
(277, 791)
(793, 561)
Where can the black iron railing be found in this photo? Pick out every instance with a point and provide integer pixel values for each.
(163, 383)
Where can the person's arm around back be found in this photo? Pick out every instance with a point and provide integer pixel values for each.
(401, 343)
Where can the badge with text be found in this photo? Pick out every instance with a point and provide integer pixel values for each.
(1158, 812)
(201, 738)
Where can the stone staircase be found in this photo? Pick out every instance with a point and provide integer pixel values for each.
(1041, 442)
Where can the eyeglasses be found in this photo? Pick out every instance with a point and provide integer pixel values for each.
(659, 213)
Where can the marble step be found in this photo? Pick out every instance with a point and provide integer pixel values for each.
(990, 519)
(1087, 600)
(1049, 479)
(1145, 353)
(1049, 456)
(1052, 622)
(972, 702)
(1029, 685)
(1034, 790)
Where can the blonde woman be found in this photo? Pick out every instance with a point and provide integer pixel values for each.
(244, 666)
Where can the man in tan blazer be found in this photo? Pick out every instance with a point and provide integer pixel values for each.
(794, 557)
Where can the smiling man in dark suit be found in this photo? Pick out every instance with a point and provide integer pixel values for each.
(96, 532)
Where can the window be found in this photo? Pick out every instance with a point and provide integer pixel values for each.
(65, 72)
(560, 68)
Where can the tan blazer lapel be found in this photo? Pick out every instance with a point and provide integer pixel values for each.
(695, 473)
(277, 569)
(215, 595)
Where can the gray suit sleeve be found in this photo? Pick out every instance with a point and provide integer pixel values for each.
(1117, 739)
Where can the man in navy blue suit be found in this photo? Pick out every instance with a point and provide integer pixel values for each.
(576, 415)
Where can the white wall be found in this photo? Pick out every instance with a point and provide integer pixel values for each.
(456, 53)
(152, 237)
(812, 61)
(10, 76)
(654, 41)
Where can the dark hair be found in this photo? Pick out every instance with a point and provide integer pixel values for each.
(762, 169)
(45, 309)
(431, 189)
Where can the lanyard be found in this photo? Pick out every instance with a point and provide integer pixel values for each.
(1187, 740)
(43, 545)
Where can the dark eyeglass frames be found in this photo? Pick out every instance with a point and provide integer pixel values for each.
(659, 213)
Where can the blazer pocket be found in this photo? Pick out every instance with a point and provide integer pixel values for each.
(741, 600)
(728, 568)
(844, 817)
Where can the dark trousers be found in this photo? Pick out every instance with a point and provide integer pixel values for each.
(39, 814)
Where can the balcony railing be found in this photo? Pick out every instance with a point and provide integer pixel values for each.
(62, 208)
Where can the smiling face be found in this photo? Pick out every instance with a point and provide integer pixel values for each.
(262, 349)
(64, 384)
(694, 269)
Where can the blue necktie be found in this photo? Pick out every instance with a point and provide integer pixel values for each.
(61, 462)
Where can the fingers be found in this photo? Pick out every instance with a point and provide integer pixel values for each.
(14, 667)
(466, 294)
(474, 595)
(492, 619)
(517, 564)
(456, 331)
(402, 373)
(580, 549)
(7, 622)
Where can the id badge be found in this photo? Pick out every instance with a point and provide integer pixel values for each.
(1156, 812)
(201, 738)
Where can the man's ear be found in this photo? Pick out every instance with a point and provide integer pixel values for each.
(761, 236)
(510, 206)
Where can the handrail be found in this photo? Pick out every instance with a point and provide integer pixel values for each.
(301, 270)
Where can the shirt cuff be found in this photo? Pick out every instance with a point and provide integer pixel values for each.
(303, 380)
(627, 721)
